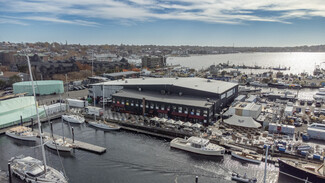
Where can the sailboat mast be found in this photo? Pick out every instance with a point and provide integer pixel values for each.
(103, 104)
(38, 120)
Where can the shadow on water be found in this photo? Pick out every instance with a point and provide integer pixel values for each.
(22, 142)
(243, 162)
(62, 153)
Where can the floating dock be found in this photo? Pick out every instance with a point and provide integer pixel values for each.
(80, 145)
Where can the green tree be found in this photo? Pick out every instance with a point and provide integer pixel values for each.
(2, 84)
(14, 79)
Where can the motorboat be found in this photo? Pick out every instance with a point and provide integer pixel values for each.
(30, 169)
(320, 95)
(238, 178)
(58, 144)
(312, 172)
(197, 145)
(104, 125)
(247, 156)
(22, 133)
(71, 118)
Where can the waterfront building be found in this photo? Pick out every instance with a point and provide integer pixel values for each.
(186, 99)
(120, 75)
(44, 87)
(153, 62)
(16, 109)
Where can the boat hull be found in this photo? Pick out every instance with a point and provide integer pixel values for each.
(233, 154)
(103, 126)
(175, 145)
(60, 148)
(25, 138)
(297, 172)
(51, 172)
(73, 119)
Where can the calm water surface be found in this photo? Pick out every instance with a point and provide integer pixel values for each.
(135, 158)
(298, 61)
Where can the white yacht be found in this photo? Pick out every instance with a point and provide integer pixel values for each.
(31, 169)
(104, 125)
(71, 118)
(247, 156)
(58, 144)
(198, 145)
(22, 133)
(320, 95)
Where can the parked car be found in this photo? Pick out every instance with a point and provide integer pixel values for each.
(75, 88)
(297, 124)
(302, 102)
(310, 102)
(316, 111)
(318, 104)
(307, 110)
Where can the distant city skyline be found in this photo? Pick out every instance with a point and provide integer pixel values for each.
(250, 23)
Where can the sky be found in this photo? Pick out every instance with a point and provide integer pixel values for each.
(165, 22)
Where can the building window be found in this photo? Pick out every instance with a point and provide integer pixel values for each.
(180, 110)
(162, 107)
(137, 104)
(152, 105)
(192, 111)
(223, 96)
(198, 112)
(174, 108)
(185, 110)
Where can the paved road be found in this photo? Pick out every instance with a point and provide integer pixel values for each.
(48, 99)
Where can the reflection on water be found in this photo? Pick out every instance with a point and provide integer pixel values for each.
(135, 158)
(297, 61)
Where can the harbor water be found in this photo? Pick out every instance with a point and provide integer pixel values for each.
(132, 157)
(297, 61)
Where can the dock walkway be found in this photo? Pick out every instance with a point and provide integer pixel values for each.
(80, 145)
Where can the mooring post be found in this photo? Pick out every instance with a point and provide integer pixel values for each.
(9, 170)
(21, 120)
(196, 179)
(52, 130)
(72, 134)
(32, 120)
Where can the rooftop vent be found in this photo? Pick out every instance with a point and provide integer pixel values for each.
(142, 78)
(209, 80)
(126, 81)
(176, 77)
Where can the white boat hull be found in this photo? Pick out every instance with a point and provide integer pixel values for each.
(73, 119)
(26, 138)
(51, 145)
(234, 154)
(201, 151)
(103, 126)
(52, 175)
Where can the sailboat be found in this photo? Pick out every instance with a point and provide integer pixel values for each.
(103, 125)
(30, 169)
(59, 144)
(22, 133)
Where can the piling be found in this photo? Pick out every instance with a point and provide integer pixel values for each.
(21, 120)
(52, 130)
(32, 121)
(72, 134)
(9, 170)
(196, 179)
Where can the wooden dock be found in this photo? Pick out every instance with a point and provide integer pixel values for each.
(81, 145)
(147, 132)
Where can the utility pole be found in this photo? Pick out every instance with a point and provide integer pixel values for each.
(92, 63)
